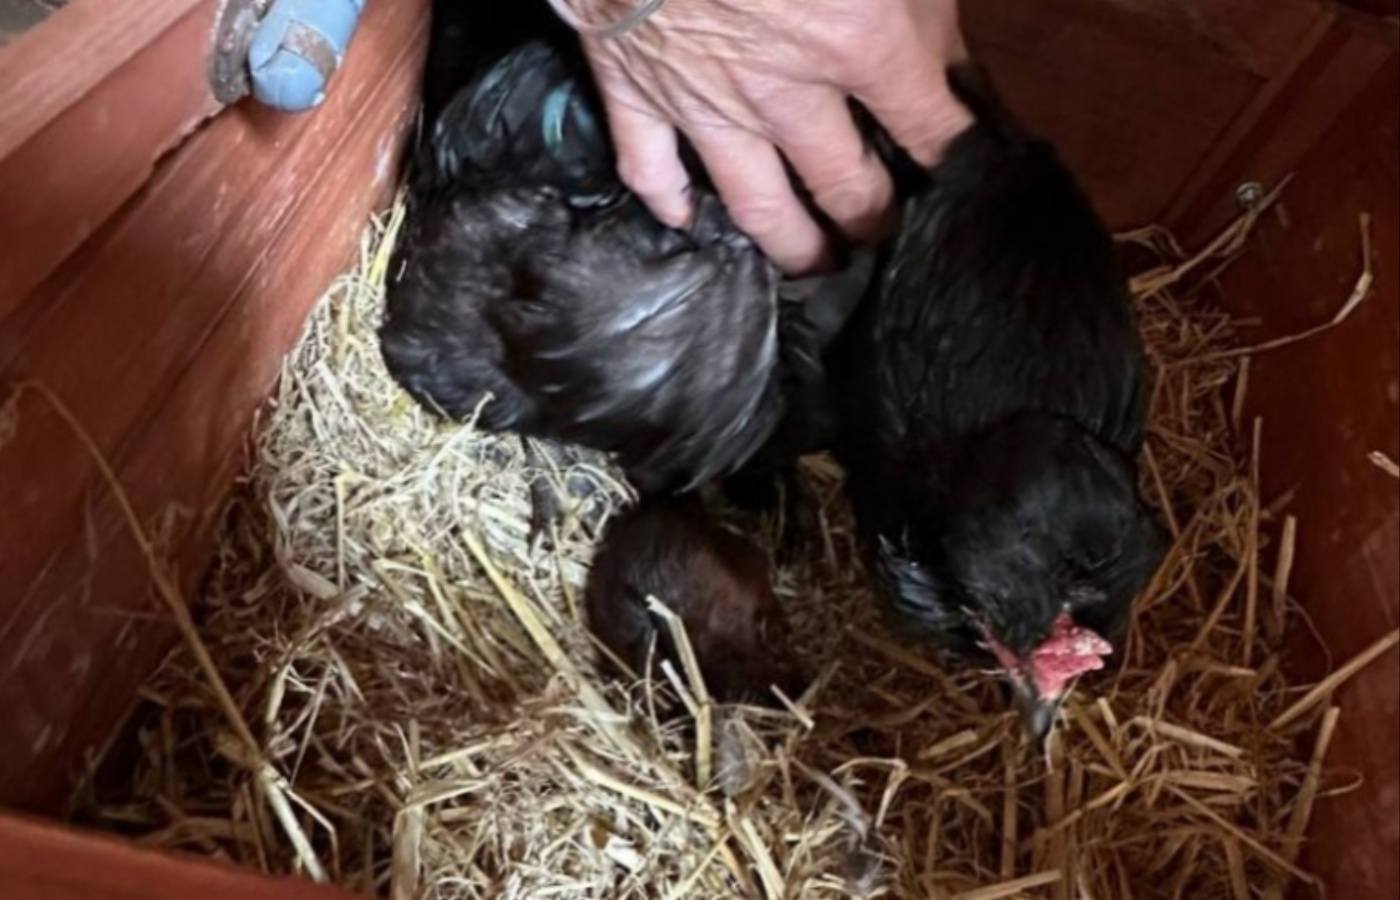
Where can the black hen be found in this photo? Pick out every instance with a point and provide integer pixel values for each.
(994, 393)
(463, 34)
(714, 581)
(525, 270)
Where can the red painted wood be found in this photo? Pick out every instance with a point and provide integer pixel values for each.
(99, 578)
(110, 334)
(48, 67)
(1205, 181)
(1326, 404)
(1136, 94)
(165, 357)
(1340, 63)
(1261, 35)
(45, 862)
(66, 179)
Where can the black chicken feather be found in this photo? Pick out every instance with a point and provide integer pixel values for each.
(526, 272)
(993, 398)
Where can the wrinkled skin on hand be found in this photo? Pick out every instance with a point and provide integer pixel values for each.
(753, 82)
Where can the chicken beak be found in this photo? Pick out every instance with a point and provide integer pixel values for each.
(1038, 714)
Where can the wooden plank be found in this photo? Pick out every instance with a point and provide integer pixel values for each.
(1133, 94)
(110, 335)
(1340, 63)
(1154, 114)
(48, 67)
(74, 172)
(1326, 404)
(88, 630)
(40, 861)
(1263, 35)
(1219, 157)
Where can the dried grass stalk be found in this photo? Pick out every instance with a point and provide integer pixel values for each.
(413, 707)
(1383, 462)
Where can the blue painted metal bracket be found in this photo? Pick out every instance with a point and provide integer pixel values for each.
(296, 48)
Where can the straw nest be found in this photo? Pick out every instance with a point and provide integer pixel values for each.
(390, 689)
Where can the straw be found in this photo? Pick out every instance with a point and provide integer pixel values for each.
(425, 714)
(1328, 685)
(1302, 807)
(1383, 462)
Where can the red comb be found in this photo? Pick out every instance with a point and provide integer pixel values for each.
(1069, 651)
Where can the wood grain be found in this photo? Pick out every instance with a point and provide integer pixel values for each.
(110, 333)
(165, 356)
(68, 177)
(1135, 93)
(48, 67)
(1271, 137)
(1326, 404)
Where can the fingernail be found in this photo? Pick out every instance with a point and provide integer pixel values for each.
(676, 213)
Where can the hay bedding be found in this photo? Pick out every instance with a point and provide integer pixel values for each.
(414, 709)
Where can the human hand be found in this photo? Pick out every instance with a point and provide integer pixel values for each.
(752, 83)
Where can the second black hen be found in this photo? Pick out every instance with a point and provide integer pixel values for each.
(994, 401)
(527, 273)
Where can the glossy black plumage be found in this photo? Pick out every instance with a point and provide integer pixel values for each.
(462, 35)
(993, 396)
(527, 271)
(715, 581)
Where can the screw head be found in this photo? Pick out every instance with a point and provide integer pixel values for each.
(1250, 194)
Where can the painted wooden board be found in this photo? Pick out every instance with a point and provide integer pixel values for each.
(1266, 143)
(66, 178)
(110, 333)
(1136, 94)
(1327, 404)
(165, 356)
(45, 862)
(48, 67)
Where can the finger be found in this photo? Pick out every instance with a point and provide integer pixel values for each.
(916, 106)
(648, 160)
(828, 153)
(749, 175)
